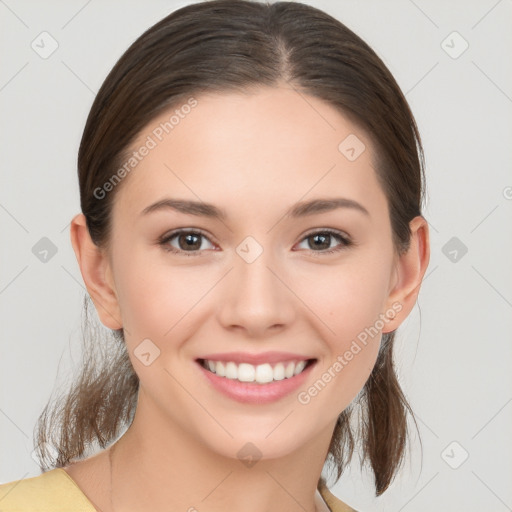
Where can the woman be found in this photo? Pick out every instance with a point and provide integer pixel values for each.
(251, 185)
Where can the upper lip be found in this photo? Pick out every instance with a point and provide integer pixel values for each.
(255, 359)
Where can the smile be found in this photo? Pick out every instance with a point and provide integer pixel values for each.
(260, 374)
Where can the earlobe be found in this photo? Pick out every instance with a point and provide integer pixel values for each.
(409, 272)
(96, 273)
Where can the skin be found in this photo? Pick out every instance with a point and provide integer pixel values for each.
(253, 155)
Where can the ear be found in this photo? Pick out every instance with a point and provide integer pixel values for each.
(96, 273)
(408, 274)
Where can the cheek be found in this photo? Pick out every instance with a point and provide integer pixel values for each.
(349, 297)
(157, 303)
(154, 296)
(349, 301)
(351, 340)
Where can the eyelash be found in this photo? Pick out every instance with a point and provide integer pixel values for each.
(345, 241)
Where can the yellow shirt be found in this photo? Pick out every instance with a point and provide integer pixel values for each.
(56, 491)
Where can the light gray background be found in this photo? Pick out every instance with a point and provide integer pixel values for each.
(454, 359)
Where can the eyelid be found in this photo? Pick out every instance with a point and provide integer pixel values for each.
(165, 239)
(179, 231)
(331, 231)
(346, 240)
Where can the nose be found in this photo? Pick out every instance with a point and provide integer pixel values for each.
(256, 297)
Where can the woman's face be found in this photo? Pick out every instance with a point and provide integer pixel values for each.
(252, 284)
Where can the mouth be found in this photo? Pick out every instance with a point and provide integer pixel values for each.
(261, 374)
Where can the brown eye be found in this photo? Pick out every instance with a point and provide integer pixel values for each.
(188, 243)
(321, 241)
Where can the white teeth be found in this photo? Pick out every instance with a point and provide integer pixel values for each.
(288, 372)
(246, 372)
(262, 373)
(231, 371)
(299, 367)
(279, 371)
(220, 370)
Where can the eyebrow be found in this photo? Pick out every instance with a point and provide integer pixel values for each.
(301, 209)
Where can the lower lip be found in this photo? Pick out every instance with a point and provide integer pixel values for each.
(254, 393)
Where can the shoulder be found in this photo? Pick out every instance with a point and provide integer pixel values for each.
(53, 490)
(334, 503)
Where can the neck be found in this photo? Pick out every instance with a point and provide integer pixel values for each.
(155, 470)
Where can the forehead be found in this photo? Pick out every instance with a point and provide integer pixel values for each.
(264, 145)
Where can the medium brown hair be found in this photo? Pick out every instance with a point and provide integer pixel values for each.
(235, 45)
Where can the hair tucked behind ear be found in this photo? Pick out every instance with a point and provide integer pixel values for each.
(237, 45)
